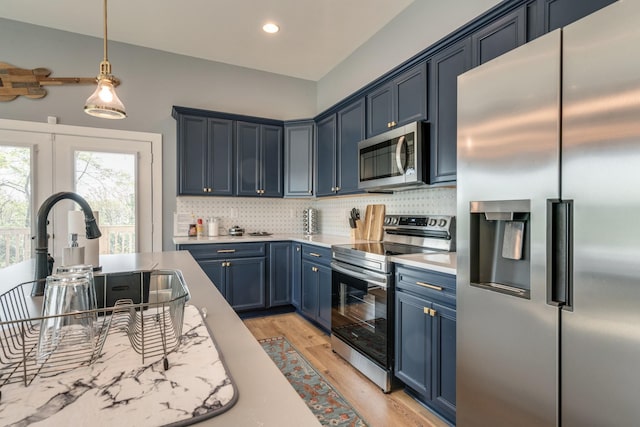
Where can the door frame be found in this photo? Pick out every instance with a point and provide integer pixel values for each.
(154, 139)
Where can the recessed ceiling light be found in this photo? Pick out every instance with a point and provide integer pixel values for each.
(270, 28)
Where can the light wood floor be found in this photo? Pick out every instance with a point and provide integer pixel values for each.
(377, 408)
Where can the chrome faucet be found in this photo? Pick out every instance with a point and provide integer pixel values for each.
(43, 265)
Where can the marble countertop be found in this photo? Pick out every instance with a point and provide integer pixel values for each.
(325, 240)
(441, 262)
(265, 396)
(444, 262)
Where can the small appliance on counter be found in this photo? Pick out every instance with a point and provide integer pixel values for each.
(236, 231)
(310, 221)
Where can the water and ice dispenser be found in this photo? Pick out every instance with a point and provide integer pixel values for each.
(500, 246)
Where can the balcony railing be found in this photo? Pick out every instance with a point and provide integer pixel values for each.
(15, 243)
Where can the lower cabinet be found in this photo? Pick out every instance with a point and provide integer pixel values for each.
(280, 277)
(315, 299)
(296, 274)
(239, 271)
(425, 359)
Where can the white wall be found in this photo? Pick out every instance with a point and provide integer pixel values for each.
(153, 81)
(420, 25)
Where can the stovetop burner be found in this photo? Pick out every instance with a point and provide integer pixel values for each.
(386, 248)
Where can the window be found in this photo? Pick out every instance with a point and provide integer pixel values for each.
(115, 171)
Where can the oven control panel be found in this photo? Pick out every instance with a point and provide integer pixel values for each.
(430, 222)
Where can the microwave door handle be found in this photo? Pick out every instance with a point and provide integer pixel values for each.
(399, 162)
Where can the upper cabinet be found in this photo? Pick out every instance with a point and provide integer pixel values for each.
(401, 100)
(298, 159)
(337, 137)
(446, 66)
(259, 160)
(222, 154)
(499, 37)
(547, 15)
(205, 156)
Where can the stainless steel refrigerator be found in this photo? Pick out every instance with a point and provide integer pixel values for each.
(548, 314)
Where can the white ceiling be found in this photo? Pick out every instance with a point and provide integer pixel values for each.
(315, 35)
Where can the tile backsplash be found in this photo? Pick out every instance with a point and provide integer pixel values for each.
(285, 215)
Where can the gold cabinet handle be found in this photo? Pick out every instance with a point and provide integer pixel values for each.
(430, 311)
(388, 124)
(315, 254)
(314, 269)
(310, 191)
(426, 285)
(337, 188)
(226, 251)
(297, 249)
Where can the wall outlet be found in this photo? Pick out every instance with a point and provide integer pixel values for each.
(233, 213)
(292, 213)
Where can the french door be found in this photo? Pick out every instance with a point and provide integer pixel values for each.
(117, 172)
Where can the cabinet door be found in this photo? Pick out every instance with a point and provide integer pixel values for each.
(271, 158)
(309, 304)
(296, 274)
(280, 265)
(413, 343)
(379, 110)
(446, 66)
(443, 365)
(220, 161)
(558, 13)
(193, 154)
(325, 156)
(350, 132)
(410, 100)
(247, 159)
(499, 37)
(216, 273)
(324, 296)
(246, 283)
(298, 164)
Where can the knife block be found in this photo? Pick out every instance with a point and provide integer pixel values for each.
(356, 233)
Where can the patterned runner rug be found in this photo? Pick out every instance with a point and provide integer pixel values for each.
(324, 401)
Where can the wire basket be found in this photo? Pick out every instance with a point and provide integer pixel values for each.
(153, 327)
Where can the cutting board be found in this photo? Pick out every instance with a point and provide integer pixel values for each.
(373, 222)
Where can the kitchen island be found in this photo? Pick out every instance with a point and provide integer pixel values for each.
(265, 396)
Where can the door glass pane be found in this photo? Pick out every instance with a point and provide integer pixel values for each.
(15, 204)
(108, 182)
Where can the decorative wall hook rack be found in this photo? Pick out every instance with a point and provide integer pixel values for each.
(16, 82)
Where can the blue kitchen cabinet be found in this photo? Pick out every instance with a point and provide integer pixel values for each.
(351, 124)
(446, 66)
(245, 283)
(259, 160)
(337, 137)
(401, 100)
(500, 36)
(425, 347)
(547, 15)
(296, 274)
(205, 155)
(326, 154)
(298, 159)
(214, 269)
(237, 269)
(280, 273)
(316, 285)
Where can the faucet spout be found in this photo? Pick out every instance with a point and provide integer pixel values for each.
(43, 267)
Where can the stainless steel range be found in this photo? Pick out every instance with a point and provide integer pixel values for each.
(362, 309)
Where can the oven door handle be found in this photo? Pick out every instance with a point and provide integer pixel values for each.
(359, 273)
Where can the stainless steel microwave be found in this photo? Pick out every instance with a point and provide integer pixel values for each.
(394, 160)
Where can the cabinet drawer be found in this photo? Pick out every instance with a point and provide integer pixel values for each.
(427, 284)
(226, 250)
(318, 254)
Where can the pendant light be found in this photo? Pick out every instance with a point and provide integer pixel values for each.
(104, 102)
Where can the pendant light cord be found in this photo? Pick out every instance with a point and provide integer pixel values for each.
(106, 58)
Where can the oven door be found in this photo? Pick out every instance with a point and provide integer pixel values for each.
(362, 311)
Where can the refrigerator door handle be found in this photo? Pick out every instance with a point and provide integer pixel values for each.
(560, 253)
